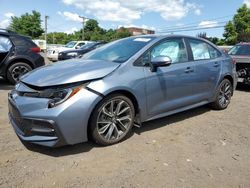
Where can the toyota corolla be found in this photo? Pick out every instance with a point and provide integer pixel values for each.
(119, 85)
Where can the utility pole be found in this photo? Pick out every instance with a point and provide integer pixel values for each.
(83, 21)
(46, 27)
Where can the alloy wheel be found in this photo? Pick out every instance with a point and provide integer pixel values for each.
(114, 119)
(225, 94)
(19, 71)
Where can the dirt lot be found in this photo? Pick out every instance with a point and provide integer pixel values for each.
(197, 148)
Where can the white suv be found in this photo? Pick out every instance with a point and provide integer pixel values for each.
(52, 53)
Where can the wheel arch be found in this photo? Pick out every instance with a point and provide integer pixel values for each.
(230, 78)
(16, 60)
(122, 92)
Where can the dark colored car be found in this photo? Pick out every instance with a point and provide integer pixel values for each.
(241, 55)
(69, 54)
(18, 55)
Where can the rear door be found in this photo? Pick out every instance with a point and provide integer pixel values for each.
(5, 48)
(208, 65)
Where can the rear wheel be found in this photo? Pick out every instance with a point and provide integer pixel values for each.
(112, 119)
(223, 95)
(16, 70)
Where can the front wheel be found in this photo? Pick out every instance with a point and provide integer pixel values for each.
(112, 119)
(223, 95)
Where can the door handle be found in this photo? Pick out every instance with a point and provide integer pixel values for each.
(188, 70)
(216, 64)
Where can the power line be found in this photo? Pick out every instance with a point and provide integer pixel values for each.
(195, 23)
(194, 29)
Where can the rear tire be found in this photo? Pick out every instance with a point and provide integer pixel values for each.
(223, 95)
(16, 70)
(112, 119)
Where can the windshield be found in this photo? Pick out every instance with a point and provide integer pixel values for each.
(70, 44)
(119, 51)
(87, 46)
(240, 50)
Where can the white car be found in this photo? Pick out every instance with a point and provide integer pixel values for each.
(52, 53)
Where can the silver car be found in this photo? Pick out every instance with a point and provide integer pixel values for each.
(121, 84)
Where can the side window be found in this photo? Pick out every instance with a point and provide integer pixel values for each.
(213, 52)
(80, 44)
(5, 44)
(174, 48)
(201, 50)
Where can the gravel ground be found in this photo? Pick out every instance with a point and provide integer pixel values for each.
(196, 148)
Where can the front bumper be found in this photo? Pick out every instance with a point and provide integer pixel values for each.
(65, 124)
(53, 56)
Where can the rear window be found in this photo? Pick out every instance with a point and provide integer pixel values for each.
(240, 50)
(22, 41)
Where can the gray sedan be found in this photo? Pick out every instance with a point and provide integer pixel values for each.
(121, 84)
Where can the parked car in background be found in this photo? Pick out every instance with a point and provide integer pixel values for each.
(241, 55)
(52, 53)
(69, 54)
(123, 83)
(225, 48)
(18, 55)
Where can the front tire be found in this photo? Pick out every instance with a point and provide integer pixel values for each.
(112, 119)
(16, 70)
(223, 95)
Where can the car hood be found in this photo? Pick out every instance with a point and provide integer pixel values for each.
(70, 71)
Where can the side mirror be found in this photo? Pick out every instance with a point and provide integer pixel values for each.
(77, 47)
(160, 61)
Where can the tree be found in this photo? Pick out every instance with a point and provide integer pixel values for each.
(92, 32)
(230, 33)
(202, 35)
(91, 26)
(122, 33)
(238, 29)
(27, 24)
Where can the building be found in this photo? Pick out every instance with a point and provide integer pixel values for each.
(138, 31)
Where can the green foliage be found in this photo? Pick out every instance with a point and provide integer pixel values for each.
(27, 24)
(30, 25)
(238, 30)
(230, 33)
(214, 40)
(92, 31)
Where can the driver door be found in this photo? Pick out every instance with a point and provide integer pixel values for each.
(170, 87)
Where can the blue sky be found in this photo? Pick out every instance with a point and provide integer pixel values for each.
(160, 15)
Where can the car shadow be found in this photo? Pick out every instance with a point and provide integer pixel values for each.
(61, 151)
(169, 120)
(148, 126)
(4, 85)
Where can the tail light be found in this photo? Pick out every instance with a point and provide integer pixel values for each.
(35, 49)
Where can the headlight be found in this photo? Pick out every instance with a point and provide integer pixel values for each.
(56, 96)
(59, 96)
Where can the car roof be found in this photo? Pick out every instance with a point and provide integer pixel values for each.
(11, 33)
